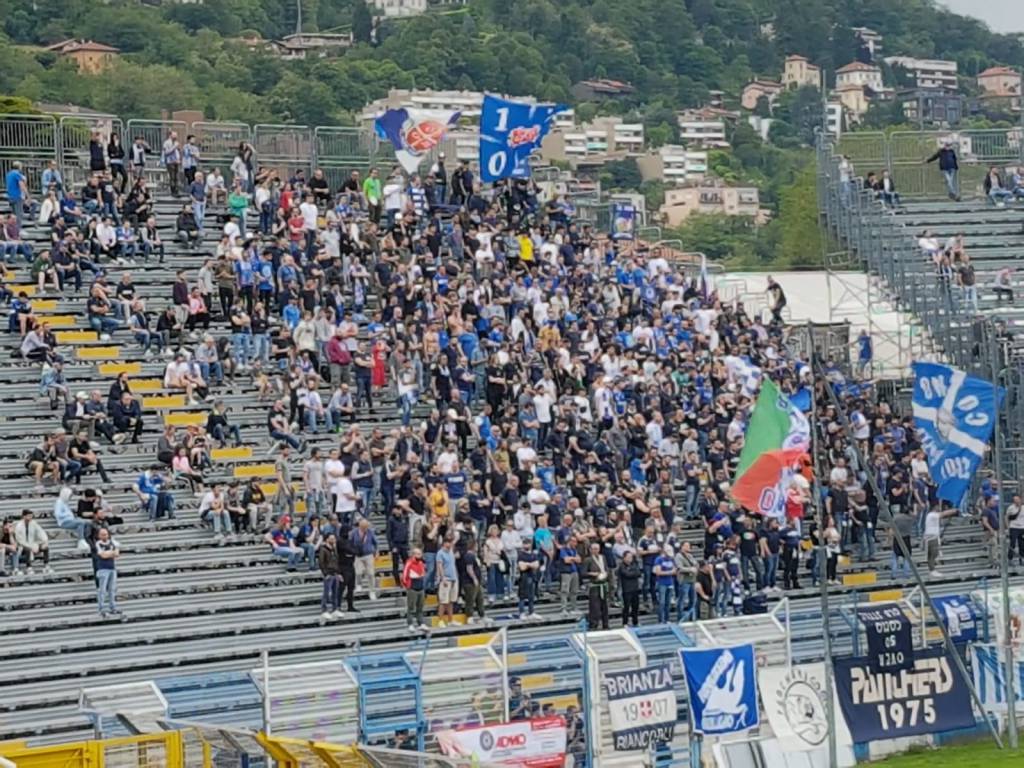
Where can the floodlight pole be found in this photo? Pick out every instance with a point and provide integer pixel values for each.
(1002, 536)
(819, 508)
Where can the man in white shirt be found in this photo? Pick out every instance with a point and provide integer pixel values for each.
(393, 196)
(232, 231)
(1015, 525)
(213, 509)
(542, 402)
(309, 213)
(313, 480)
(538, 498)
(346, 504)
(932, 538)
(334, 471)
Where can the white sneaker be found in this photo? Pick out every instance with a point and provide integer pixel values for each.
(30, 570)
(411, 628)
(373, 595)
(150, 353)
(535, 616)
(442, 624)
(338, 615)
(424, 628)
(326, 616)
(120, 437)
(935, 574)
(104, 337)
(48, 571)
(524, 616)
(471, 620)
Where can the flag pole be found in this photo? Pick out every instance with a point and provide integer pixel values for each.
(885, 514)
(819, 508)
(1004, 550)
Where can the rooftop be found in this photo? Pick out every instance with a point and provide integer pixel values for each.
(74, 46)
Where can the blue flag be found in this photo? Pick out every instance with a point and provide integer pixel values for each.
(414, 132)
(509, 132)
(955, 414)
(722, 684)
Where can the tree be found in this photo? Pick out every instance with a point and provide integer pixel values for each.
(362, 22)
(621, 174)
(800, 236)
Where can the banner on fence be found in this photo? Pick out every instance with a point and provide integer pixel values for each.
(623, 221)
(929, 697)
(959, 615)
(993, 601)
(890, 638)
(536, 743)
(641, 706)
(794, 700)
(723, 688)
(955, 413)
(987, 668)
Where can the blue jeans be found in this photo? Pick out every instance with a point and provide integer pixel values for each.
(647, 590)
(316, 503)
(78, 525)
(293, 555)
(214, 368)
(495, 582)
(199, 211)
(771, 567)
(241, 347)
(106, 590)
(430, 563)
(665, 592)
(897, 564)
(366, 494)
(867, 543)
(686, 600)
(330, 599)
(952, 179)
(220, 433)
(311, 420)
(406, 403)
(261, 347)
(281, 437)
(103, 324)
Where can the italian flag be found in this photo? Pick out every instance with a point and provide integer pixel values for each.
(777, 436)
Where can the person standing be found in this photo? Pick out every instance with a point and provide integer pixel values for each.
(528, 565)
(472, 580)
(347, 561)
(569, 569)
(398, 540)
(932, 539)
(365, 543)
(447, 581)
(105, 554)
(595, 571)
(197, 193)
(630, 574)
(373, 194)
(414, 580)
(949, 166)
(665, 581)
(686, 575)
(329, 560)
(190, 156)
(17, 191)
(171, 158)
(1015, 522)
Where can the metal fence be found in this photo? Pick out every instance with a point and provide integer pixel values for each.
(905, 153)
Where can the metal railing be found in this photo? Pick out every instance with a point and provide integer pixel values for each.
(904, 155)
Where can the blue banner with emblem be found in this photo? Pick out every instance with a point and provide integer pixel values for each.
(955, 414)
(722, 684)
(509, 132)
(960, 616)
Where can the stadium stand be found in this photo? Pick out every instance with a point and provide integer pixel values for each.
(199, 609)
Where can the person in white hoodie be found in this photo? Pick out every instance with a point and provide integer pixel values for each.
(66, 518)
(30, 539)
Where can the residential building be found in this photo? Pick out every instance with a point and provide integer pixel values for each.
(1000, 87)
(860, 74)
(709, 198)
(798, 72)
(870, 39)
(704, 127)
(313, 45)
(854, 101)
(927, 73)
(393, 9)
(931, 106)
(834, 119)
(600, 88)
(755, 89)
(89, 56)
(672, 164)
(606, 138)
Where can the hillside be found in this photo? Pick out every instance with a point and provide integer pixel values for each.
(674, 52)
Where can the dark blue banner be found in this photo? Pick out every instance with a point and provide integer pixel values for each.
(955, 414)
(928, 698)
(890, 637)
(959, 615)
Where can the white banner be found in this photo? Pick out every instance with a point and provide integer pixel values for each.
(641, 707)
(987, 665)
(794, 699)
(993, 601)
(536, 743)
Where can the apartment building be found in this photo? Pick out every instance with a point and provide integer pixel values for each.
(755, 89)
(858, 73)
(928, 73)
(705, 127)
(396, 9)
(870, 39)
(606, 138)
(1000, 86)
(709, 198)
(673, 164)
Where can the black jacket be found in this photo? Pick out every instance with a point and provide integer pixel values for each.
(329, 560)
(947, 159)
(629, 576)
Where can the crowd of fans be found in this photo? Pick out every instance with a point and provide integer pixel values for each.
(519, 406)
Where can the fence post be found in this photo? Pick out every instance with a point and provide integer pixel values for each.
(265, 657)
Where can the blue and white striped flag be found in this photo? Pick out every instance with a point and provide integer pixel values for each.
(987, 667)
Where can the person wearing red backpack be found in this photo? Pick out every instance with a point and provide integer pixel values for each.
(414, 579)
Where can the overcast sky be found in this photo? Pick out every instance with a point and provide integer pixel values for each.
(1001, 15)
